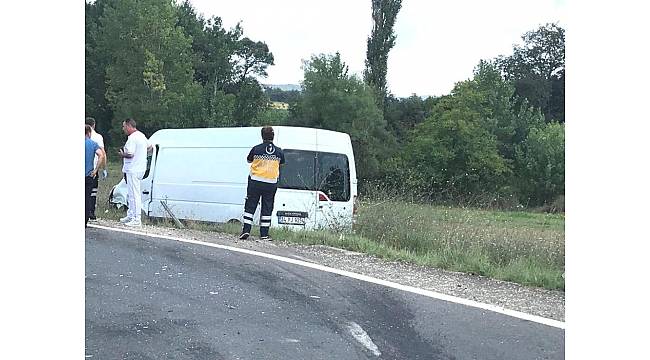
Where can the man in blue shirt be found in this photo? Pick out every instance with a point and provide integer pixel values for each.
(90, 170)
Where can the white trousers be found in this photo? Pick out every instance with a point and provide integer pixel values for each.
(134, 195)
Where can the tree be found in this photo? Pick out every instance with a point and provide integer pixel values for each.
(537, 70)
(332, 99)
(149, 74)
(251, 58)
(453, 151)
(272, 117)
(380, 42)
(540, 164)
(219, 109)
(276, 94)
(495, 107)
(212, 48)
(95, 70)
(501, 111)
(249, 103)
(469, 142)
(403, 114)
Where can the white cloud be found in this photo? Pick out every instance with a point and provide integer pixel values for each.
(438, 43)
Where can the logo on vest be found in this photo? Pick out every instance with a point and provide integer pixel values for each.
(270, 149)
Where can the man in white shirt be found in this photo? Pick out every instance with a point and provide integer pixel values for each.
(99, 139)
(134, 154)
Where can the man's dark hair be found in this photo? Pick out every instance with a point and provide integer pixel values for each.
(130, 122)
(267, 133)
(89, 130)
(90, 121)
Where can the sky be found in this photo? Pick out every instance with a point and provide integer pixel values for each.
(438, 42)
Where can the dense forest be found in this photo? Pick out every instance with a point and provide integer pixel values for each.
(497, 140)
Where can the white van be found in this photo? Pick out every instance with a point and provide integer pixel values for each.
(202, 174)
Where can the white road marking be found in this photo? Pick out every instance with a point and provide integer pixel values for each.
(361, 336)
(303, 259)
(411, 289)
(291, 340)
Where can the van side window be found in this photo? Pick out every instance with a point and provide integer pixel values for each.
(298, 170)
(334, 176)
(149, 156)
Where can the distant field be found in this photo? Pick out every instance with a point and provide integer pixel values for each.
(279, 105)
(522, 247)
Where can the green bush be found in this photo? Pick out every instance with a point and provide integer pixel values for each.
(540, 165)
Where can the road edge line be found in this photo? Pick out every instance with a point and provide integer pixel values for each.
(407, 288)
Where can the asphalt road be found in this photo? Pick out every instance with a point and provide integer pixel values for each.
(153, 298)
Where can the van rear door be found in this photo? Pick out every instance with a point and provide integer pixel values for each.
(296, 200)
(316, 186)
(335, 203)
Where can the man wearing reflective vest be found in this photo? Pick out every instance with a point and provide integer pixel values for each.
(265, 160)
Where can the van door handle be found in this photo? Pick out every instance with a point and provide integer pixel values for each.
(146, 192)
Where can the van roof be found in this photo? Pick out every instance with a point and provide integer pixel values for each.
(287, 136)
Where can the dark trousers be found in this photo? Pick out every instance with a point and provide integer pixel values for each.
(89, 186)
(255, 191)
(93, 196)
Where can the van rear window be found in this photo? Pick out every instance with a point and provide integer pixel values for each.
(316, 171)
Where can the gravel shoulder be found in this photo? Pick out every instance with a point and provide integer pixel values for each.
(535, 301)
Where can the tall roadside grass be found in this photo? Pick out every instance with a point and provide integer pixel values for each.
(518, 246)
(523, 247)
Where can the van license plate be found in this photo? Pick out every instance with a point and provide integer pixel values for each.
(291, 220)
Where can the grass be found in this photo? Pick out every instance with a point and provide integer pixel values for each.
(522, 247)
(518, 246)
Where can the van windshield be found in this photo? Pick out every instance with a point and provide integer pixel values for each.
(316, 171)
